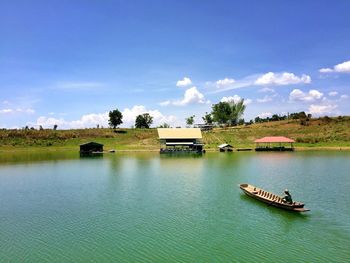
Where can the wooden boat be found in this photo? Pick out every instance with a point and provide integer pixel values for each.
(271, 199)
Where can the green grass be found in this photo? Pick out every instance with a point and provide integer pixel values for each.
(319, 133)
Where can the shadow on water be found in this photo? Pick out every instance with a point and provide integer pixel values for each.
(180, 155)
(290, 215)
(36, 156)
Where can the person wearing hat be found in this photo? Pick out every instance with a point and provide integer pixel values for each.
(287, 197)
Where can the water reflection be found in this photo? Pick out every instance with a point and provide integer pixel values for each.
(35, 156)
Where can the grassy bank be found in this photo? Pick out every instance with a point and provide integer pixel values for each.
(318, 133)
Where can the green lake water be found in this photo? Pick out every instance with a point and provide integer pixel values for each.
(57, 207)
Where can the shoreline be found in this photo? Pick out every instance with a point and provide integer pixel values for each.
(153, 150)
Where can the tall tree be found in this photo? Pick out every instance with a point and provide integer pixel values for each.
(143, 121)
(190, 120)
(207, 118)
(115, 118)
(237, 110)
(221, 112)
(228, 112)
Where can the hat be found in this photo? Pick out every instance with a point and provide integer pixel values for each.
(286, 191)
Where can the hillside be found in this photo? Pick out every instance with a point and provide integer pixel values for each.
(323, 132)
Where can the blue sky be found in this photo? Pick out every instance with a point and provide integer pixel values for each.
(70, 62)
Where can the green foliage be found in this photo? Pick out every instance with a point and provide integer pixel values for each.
(298, 115)
(228, 112)
(143, 121)
(164, 125)
(237, 110)
(320, 132)
(208, 118)
(241, 122)
(190, 120)
(221, 112)
(115, 118)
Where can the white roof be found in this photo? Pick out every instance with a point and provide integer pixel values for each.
(179, 133)
(224, 145)
(179, 143)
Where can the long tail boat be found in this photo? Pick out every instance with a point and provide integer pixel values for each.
(271, 199)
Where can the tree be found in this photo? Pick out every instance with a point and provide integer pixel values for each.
(190, 120)
(164, 125)
(115, 118)
(143, 121)
(208, 118)
(237, 110)
(258, 119)
(228, 112)
(221, 112)
(275, 117)
(55, 127)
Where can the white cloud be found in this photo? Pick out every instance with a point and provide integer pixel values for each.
(4, 111)
(191, 96)
(344, 96)
(332, 93)
(78, 85)
(224, 83)
(284, 78)
(325, 70)
(298, 95)
(235, 99)
(94, 119)
(317, 110)
(165, 103)
(247, 101)
(265, 115)
(184, 83)
(341, 68)
(129, 116)
(86, 121)
(264, 99)
(18, 110)
(266, 89)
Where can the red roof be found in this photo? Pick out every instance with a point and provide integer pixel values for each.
(274, 139)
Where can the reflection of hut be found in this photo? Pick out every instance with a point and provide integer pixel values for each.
(180, 140)
(91, 148)
(225, 147)
(274, 143)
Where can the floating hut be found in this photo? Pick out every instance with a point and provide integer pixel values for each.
(91, 148)
(274, 143)
(225, 147)
(177, 140)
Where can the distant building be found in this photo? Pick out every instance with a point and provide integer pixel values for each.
(225, 147)
(91, 148)
(274, 143)
(180, 140)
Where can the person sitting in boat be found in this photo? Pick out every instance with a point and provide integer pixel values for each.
(287, 197)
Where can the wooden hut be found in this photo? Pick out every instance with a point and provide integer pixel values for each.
(176, 140)
(91, 148)
(274, 143)
(225, 147)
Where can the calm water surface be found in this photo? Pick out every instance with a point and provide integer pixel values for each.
(152, 208)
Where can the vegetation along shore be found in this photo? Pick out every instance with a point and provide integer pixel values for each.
(316, 133)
